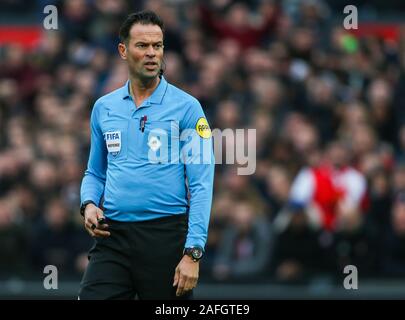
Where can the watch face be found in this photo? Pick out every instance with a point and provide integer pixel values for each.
(196, 253)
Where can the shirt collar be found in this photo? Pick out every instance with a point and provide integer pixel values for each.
(157, 94)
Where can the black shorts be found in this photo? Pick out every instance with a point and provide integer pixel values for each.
(138, 260)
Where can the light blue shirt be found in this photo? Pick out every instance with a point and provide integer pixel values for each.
(143, 165)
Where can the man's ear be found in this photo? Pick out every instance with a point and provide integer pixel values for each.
(122, 49)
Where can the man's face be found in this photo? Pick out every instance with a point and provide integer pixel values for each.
(398, 218)
(143, 51)
(338, 155)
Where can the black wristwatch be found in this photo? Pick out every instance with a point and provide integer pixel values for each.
(195, 253)
(83, 206)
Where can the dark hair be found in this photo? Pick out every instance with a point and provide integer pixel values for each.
(142, 17)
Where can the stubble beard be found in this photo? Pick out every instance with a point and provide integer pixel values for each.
(143, 75)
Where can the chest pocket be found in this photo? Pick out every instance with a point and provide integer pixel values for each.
(159, 142)
(115, 134)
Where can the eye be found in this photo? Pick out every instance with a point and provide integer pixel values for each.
(141, 45)
(158, 46)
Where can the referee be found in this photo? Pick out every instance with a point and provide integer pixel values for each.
(147, 192)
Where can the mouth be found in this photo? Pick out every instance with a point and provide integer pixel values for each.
(150, 65)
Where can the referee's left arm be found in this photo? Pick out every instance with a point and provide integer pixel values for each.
(200, 167)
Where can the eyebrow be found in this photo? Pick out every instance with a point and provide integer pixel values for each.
(146, 42)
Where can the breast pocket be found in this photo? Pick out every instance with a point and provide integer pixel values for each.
(159, 142)
(115, 134)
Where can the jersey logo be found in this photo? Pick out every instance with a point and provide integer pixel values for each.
(113, 141)
(203, 129)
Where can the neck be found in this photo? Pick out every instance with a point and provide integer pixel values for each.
(141, 89)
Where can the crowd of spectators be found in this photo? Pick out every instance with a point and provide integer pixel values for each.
(328, 108)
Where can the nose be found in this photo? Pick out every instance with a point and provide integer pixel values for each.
(150, 52)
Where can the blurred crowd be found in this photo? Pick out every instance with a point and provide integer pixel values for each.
(328, 108)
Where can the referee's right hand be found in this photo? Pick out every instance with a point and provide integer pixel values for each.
(91, 216)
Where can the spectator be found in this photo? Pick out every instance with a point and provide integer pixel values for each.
(236, 25)
(13, 251)
(333, 189)
(394, 246)
(298, 253)
(57, 241)
(245, 247)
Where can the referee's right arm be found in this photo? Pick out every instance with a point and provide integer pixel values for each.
(93, 183)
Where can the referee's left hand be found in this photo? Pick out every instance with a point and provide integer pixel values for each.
(186, 275)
